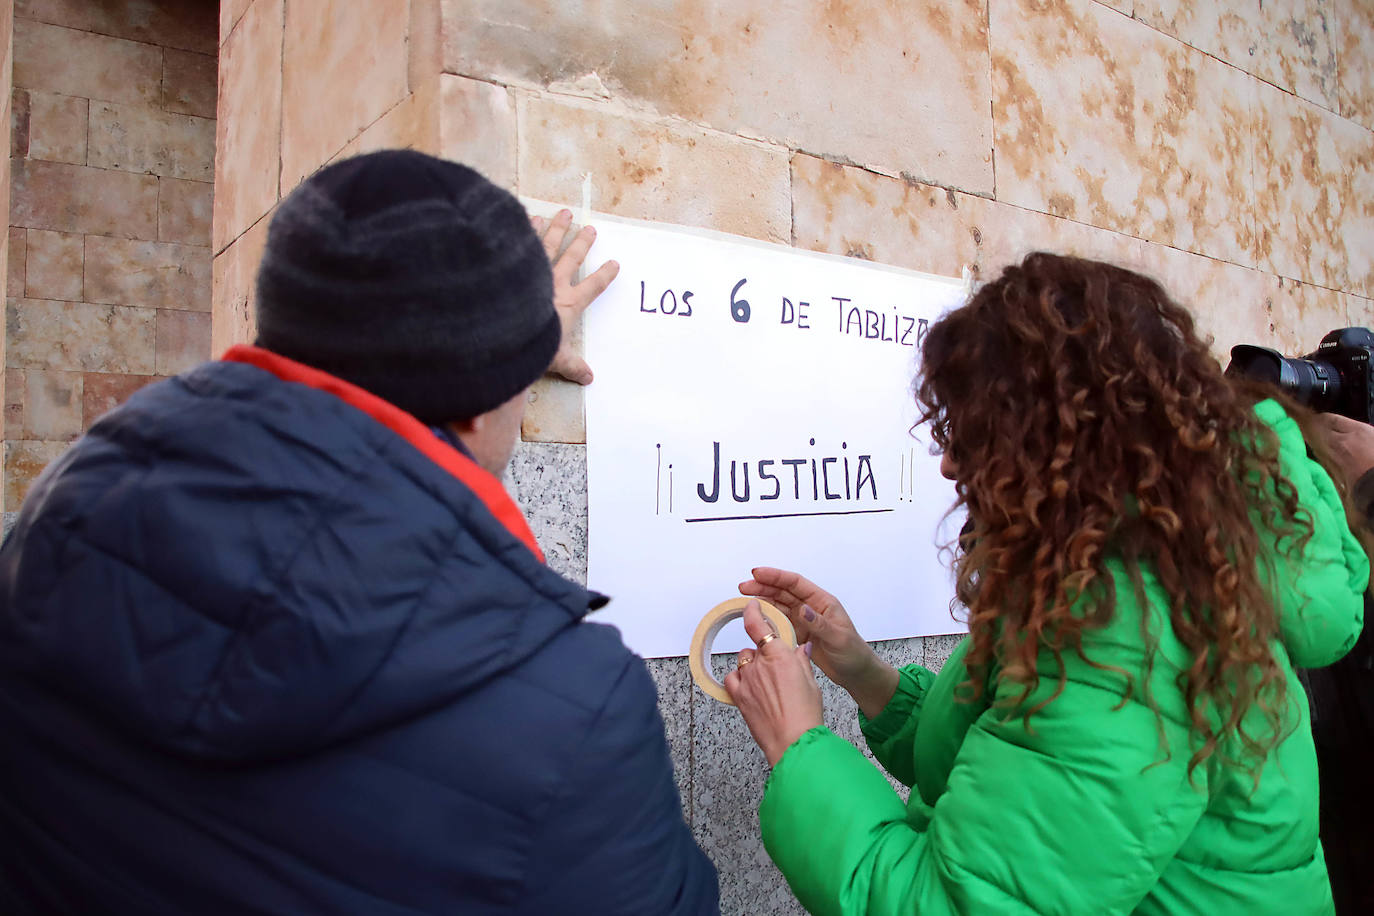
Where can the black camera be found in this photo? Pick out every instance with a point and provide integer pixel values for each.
(1335, 379)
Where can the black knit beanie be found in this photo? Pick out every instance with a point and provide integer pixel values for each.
(413, 278)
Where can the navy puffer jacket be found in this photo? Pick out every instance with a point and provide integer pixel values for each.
(268, 646)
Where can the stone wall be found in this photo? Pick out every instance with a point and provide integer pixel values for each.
(1224, 147)
(112, 159)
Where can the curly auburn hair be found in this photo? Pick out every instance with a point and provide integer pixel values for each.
(1086, 420)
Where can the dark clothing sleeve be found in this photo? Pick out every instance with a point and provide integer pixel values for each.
(1342, 698)
(1363, 493)
(616, 842)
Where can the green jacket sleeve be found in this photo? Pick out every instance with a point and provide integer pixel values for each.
(1075, 815)
(1320, 607)
(891, 735)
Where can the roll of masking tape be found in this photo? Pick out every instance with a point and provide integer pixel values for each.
(699, 658)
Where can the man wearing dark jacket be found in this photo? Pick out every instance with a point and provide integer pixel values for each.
(273, 637)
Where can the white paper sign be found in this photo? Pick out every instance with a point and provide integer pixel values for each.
(752, 407)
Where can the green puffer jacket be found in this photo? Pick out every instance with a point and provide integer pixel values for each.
(1077, 814)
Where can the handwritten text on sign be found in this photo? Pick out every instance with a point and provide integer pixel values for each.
(752, 406)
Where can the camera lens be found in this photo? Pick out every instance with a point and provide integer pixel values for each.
(1317, 385)
(1311, 382)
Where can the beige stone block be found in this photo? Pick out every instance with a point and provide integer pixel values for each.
(850, 211)
(184, 211)
(14, 403)
(57, 128)
(1303, 314)
(412, 124)
(137, 138)
(74, 198)
(75, 63)
(18, 251)
(1311, 172)
(1355, 150)
(230, 12)
(248, 158)
(235, 277)
(189, 83)
(898, 87)
(187, 24)
(1359, 311)
(424, 43)
(555, 412)
(1290, 43)
(24, 461)
(159, 275)
(104, 391)
(19, 123)
(49, 405)
(44, 334)
(853, 212)
(53, 266)
(183, 340)
(651, 170)
(477, 127)
(1231, 304)
(321, 112)
(1355, 27)
(1105, 121)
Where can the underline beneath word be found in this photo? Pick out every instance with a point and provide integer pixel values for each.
(742, 518)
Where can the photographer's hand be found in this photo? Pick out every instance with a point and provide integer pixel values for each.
(1351, 443)
(571, 299)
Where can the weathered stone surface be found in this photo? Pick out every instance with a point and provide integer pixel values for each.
(1106, 121)
(320, 111)
(104, 391)
(235, 272)
(18, 250)
(24, 461)
(1315, 176)
(53, 266)
(47, 405)
(412, 123)
(477, 127)
(555, 412)
(183, 340)
(842, 80)
(79, 336)
(150, 274)
(185, 211)
(58, 127)
(1355, 27)
(230, 12)
(666, 172)
(76, 63)
(74, 198)
(1290, 43)
(138, 138)
(185, 24)
(189, 83)
(248, 132)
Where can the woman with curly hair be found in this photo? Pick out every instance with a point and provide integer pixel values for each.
(1149, 554)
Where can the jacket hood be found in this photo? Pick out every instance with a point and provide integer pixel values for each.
(239, 566)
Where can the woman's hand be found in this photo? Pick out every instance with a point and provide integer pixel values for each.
(836, 646)
(571, 299)
(774, 688)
